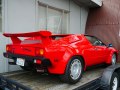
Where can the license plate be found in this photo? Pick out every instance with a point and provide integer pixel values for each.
(20, 61)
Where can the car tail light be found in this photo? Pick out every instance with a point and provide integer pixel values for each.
(39, 52)
(8, 48)
(37, 61)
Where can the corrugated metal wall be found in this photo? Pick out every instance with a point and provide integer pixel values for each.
(104, 22)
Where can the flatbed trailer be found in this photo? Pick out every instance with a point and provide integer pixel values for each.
(91, 80)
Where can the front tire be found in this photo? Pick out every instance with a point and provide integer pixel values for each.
(73, 70)
(114, 59)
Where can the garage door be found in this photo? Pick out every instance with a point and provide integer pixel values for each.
(52, 19)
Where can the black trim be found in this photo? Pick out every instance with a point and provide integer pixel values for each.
(8, 84)
(11, 55)
(45, 61)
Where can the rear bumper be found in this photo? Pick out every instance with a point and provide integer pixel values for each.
(29, 59)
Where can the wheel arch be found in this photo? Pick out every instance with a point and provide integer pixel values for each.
(83, 60)
(109, 58)
(64, 77)
(116, 55)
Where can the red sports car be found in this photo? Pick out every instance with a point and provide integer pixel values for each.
(66, 55)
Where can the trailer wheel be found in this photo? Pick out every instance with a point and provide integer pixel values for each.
(73, 70)
(114, 83)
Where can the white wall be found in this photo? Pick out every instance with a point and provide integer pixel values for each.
(83, 17)
(78, 18)
(3, 61)
(62, 4)
(21, 16)
(74, 18)
(78, 15)
(3, 41)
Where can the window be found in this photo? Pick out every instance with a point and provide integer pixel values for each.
(0, 15)
(52, 19)
(95, 41)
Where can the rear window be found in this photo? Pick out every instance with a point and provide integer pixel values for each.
(31, 41)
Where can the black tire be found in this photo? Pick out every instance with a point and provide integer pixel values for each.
(25, 68)
(112, 84)
(67, 77)
(113, 62)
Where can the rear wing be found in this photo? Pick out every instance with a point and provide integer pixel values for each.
(15, 39)
(31, 34)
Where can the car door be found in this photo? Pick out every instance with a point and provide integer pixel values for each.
(99, 50)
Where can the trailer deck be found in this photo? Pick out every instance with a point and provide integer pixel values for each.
(37, 81)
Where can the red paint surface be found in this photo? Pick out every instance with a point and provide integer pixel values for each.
(59, 51)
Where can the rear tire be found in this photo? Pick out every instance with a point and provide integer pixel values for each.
(74, 70)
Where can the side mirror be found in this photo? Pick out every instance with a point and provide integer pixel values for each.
(110, 45)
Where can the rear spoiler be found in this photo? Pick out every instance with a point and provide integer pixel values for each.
(15, 39)
(31, 34)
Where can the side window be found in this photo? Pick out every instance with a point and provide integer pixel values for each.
(94, 41)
